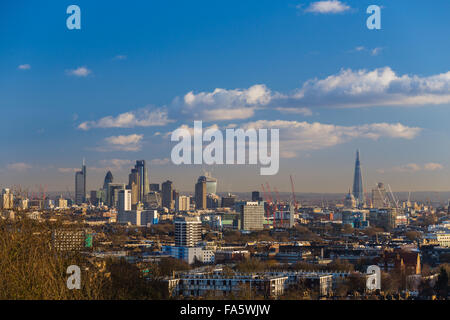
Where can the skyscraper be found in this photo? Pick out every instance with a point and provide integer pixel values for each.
(108, 179)
(188, 231)
(200, 193)
(358, 192)
(80, 185)
(167, 195)
(134, 184)
(144, 184)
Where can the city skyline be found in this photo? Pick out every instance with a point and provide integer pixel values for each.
(327, 82)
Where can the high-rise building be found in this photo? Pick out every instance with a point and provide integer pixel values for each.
(200, 193)
(113, 193)
(252, 215)
(144, 184)
(80, 185)
(124, 200)
(134, 181)
(167, 195)
(379, 196)
(188, 231)
(108, 179)
(358, 191)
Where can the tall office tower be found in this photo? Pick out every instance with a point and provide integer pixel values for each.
(255, 196)
(124, 200)
(134, 181)
(167, 195)
(7, 199)
(358, 192)
(379, 196)
(252, 215)
(113, 193)
(154, 187)
(200, 193)
(144, 184)
(108, 179)
(188, 231)
(80, 185)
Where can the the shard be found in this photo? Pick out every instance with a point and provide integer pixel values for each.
(358, 192)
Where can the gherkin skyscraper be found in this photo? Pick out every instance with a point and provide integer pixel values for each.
(358, 192)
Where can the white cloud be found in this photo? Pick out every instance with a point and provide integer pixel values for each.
(222, 104)
(79, 72)
(414, 167)
(433, 166)
(19, 166)
(327, 7)
(120, 57)
(130, 142)
(24, 67)
(379, 87)
(144, 117)
(297, 136)
(376, 51)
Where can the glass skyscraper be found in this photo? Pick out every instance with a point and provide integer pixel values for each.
(358, 191)
(80, 185)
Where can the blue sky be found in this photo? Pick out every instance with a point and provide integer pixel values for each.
(330, 85)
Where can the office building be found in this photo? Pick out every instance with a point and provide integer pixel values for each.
(113, 193)
(167, 195)
(144, 184)
(200, 193)
(80, 185)
(124, 200)
(358, 191)
(134, 181)
(108, 179)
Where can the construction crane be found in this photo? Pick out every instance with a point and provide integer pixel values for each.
(393, 197)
